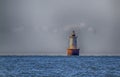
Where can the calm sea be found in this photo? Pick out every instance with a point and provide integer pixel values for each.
(59, 66)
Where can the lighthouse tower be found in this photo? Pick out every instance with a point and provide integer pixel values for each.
(72, 50)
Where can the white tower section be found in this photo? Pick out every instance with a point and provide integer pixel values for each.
(73, 41)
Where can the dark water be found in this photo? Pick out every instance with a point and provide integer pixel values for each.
(46, 66)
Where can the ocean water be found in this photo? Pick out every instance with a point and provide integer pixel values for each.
(59, 66)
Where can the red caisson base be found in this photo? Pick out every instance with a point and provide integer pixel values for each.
(72, 52)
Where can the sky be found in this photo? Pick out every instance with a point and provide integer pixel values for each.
(42, 27)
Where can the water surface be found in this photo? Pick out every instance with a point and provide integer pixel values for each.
(59, 66)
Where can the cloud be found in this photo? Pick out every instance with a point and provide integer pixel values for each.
(18, 28)
(82, 25)
(55, 31)
(91, 29)
(75, 26)
(45, 28)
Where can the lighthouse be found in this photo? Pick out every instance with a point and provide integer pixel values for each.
(72, 49)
